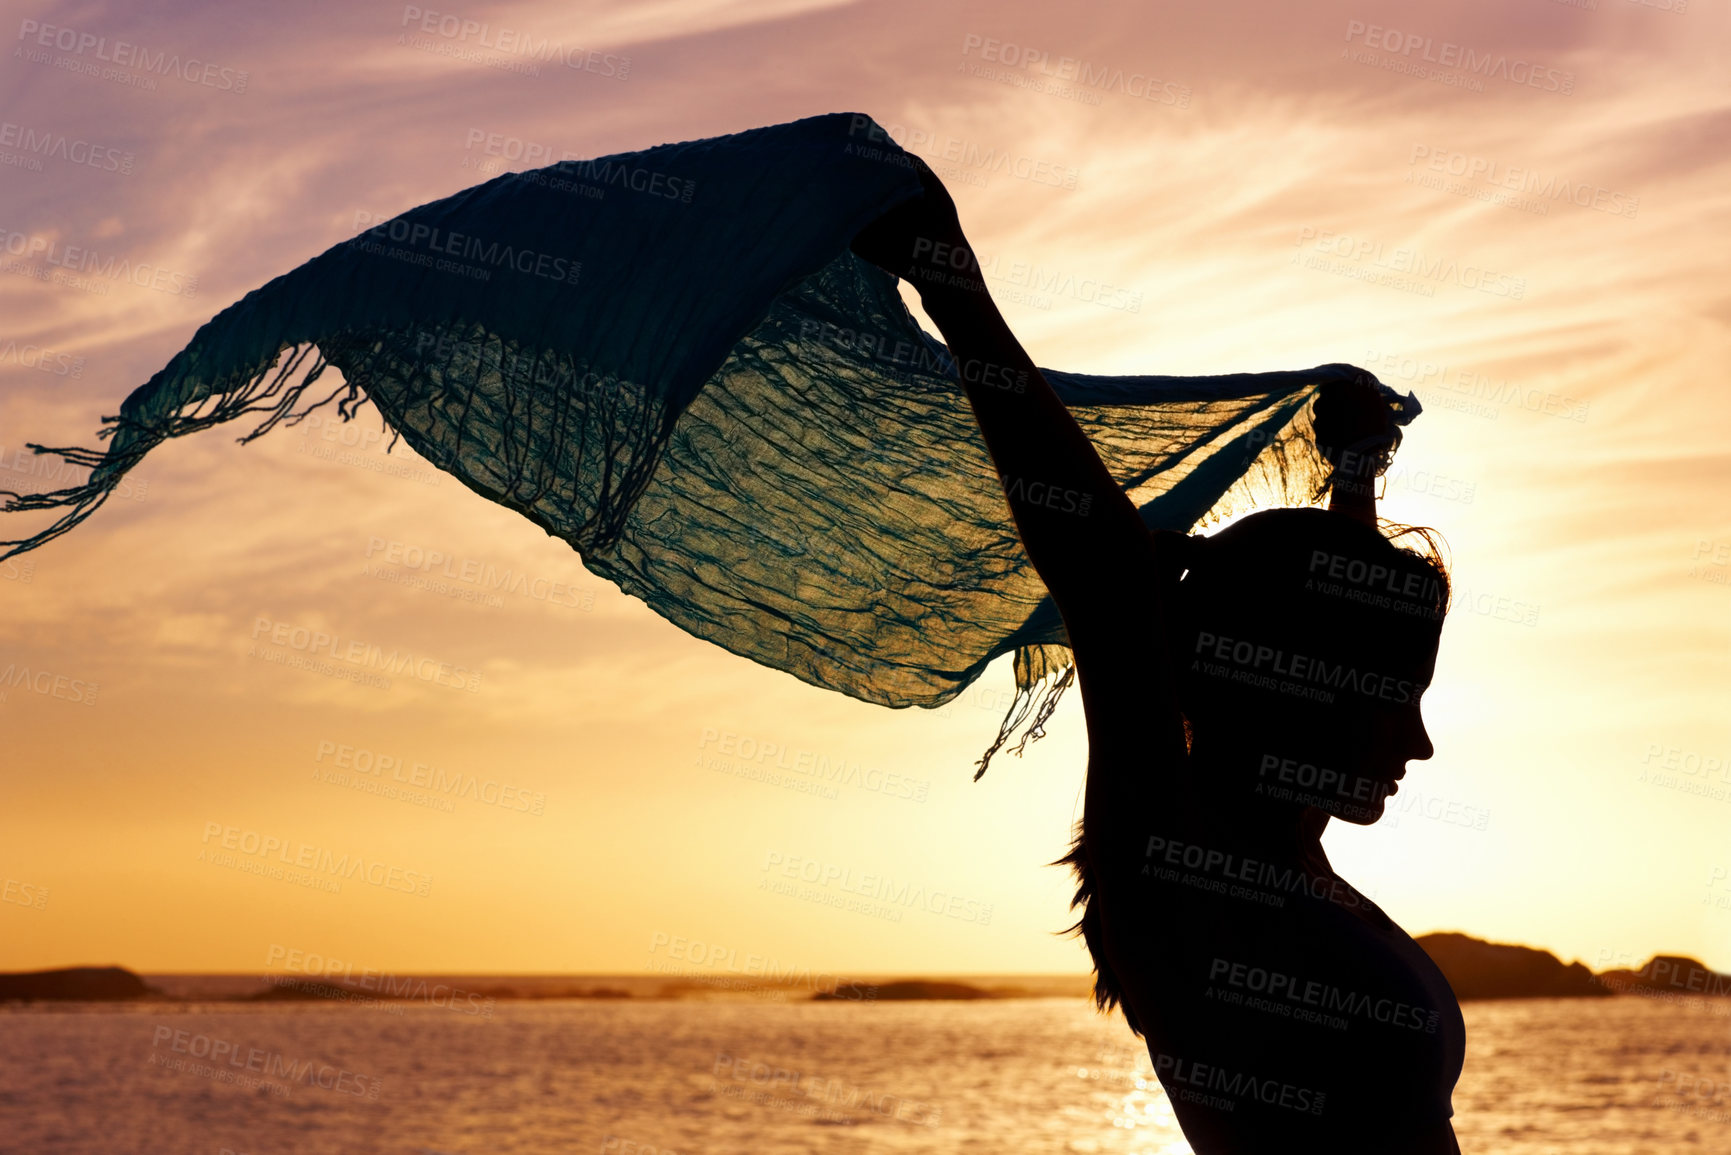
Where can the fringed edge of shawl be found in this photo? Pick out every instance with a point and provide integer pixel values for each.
(180, 400)
(274, 384)
(1043, 673)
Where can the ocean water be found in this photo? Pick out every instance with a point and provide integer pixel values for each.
(652, 1077)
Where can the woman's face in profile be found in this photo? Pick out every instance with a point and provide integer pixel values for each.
(1344, 760)
(1382, 736)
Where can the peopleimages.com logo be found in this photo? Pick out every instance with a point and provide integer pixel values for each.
(47, 683)
(82, 259)
(363, 656)
(462, 36)
(321, 860)
(1475, 65)
(37, 143)
(123, 55)
(463, 253)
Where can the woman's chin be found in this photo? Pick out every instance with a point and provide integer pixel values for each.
(1359, 814)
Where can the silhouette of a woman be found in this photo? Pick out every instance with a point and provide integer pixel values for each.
(1240, 689)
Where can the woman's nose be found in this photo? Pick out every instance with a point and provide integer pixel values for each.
(1422, 747)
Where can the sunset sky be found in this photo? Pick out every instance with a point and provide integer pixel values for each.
(1256, 180)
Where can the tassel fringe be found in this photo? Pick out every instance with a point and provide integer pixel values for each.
(274, 384)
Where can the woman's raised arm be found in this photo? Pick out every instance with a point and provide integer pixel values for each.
(1105, 570)
(1082, 534)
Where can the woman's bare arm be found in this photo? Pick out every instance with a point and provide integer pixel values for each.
(1079, 529)
(1105, 570)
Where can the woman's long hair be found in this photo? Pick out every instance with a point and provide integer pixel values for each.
(1258, 562)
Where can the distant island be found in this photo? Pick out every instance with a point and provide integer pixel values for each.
(1476, 969)
(909, 990)
(75, 984)
(1667, 974)
(294, 989)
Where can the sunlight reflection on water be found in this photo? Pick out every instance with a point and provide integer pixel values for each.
(1594, 1077)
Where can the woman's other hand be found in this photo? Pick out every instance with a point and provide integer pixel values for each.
(1356, 435)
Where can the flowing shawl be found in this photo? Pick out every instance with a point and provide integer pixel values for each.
(672, 360)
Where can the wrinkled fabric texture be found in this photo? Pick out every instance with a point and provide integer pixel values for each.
(672, 360)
